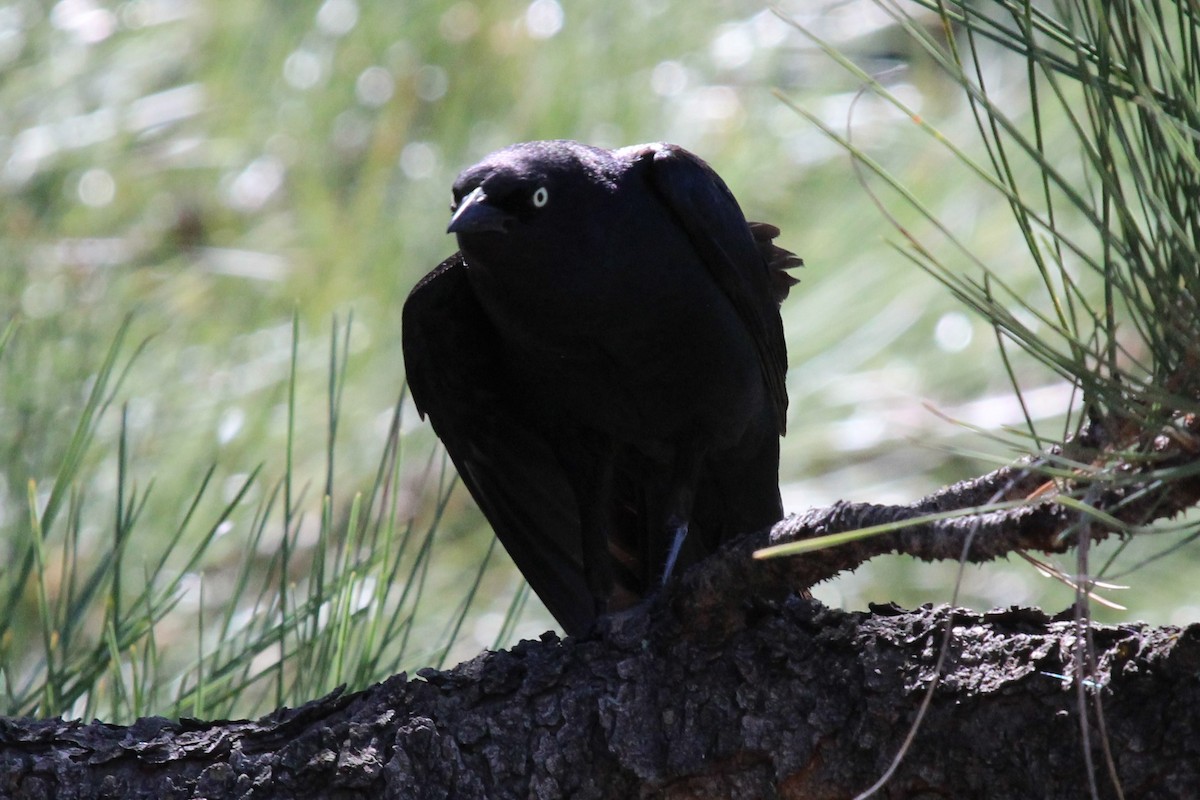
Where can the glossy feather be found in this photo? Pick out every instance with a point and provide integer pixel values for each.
(603, 359)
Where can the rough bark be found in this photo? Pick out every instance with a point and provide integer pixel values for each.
(800, 702)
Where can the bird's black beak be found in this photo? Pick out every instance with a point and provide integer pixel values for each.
(475, 215)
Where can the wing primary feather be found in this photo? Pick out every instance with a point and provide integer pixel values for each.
(456, 375)
(736, 259)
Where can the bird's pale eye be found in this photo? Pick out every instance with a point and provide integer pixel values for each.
(540, 197)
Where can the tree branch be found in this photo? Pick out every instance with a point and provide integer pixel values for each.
(802, 702)
(1134, 495)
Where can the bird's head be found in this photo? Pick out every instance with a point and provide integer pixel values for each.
(526, 188)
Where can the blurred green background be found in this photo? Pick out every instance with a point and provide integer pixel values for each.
(214, 167)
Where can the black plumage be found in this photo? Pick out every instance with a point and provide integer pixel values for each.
(604, 361)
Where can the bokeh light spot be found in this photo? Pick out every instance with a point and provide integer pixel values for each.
(432, 83)
(337, 17)
(302, 69)
(43, 298)
(953, 332)
(543, 18)
(96, 188)
(769, 30)
(459, 23)
(668, 78)
(255, 185)
(232, 420)
(733, 47)
(83, 20)
(418, 160)
(374, 86)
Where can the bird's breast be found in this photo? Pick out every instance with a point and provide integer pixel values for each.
(642, 350)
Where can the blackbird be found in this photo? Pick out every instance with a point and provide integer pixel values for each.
(604, 360)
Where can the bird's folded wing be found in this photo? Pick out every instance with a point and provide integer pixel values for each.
(457, 378)
(704, 207)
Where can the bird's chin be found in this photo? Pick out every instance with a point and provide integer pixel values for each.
(472, 240)
(482, 245)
